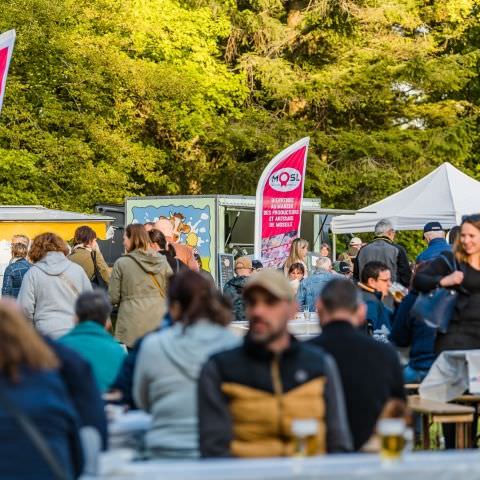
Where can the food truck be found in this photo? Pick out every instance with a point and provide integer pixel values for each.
(221, 224)
(32, 220)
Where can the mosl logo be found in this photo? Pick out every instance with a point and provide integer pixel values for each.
(285, 179)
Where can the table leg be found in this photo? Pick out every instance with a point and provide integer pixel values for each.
(426, 431)
(460, 434)
(468, 435)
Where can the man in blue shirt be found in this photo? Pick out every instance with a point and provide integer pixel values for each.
(376, 281)
(434, 235)
(311, 287)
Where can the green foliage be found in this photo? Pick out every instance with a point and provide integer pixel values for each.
(109, 98)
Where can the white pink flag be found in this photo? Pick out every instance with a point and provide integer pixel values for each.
(7, 41)
(278, 209)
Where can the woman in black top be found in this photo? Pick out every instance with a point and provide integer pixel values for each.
(464, 329)
(159, 243)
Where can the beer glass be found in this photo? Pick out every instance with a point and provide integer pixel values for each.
(398, 292)
(392, 438)
(305, 432)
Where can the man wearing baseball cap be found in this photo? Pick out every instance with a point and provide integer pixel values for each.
(233, 289)
(253, 398)
(351, 254)
(434, 235)
(356, 243)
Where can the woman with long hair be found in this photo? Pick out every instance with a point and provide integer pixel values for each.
(464, 329)
(298, 254)
(325, 250)
(31, 386)
(138, 286)
(86, 253)
(159, 243)
(169, 364)
(51, 286)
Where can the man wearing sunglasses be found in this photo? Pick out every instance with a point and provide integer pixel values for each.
(376, 281)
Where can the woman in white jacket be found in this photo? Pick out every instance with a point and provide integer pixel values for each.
(169, 363)
(51, 286)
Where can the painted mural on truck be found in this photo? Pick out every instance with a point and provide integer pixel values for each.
(189, 221)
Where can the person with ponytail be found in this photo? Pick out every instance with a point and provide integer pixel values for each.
(159, 243)
(169, 364)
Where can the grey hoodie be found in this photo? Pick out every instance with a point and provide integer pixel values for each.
(49, 291)
(165, 383)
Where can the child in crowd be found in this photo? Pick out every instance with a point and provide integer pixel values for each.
(296, 272)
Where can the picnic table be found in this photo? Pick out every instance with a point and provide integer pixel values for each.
(441, 412)
(450, 465)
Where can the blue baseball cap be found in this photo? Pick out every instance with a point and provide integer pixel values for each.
(433, 227)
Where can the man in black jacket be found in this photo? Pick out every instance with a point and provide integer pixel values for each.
(233, 289)
(383, 249)
(252, 398)
(370, 371)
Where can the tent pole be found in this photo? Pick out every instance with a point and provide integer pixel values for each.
(334, 256)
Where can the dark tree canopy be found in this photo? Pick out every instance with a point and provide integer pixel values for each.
(108, 98)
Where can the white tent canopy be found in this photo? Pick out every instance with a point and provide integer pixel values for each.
(444, 195)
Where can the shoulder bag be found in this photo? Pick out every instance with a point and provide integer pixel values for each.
(151, 275)
(436, 308)
(97, 279)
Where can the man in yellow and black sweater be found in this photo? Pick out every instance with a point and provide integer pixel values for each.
(251, 396)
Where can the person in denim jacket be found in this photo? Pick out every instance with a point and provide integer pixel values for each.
(310, 287)
(14, 273)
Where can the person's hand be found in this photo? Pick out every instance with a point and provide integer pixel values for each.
(455, 278)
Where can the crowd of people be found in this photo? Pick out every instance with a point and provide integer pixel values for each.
(152, 333)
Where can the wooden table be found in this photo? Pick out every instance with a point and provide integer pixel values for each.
(411, 388)
(468, 399)
(441, 412)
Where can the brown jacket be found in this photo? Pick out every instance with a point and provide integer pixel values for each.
(83, 256)
(138, 286)
(185, 254)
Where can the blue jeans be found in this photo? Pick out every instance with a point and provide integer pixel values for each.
(412, 375)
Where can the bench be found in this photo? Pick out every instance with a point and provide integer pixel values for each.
(440, 412)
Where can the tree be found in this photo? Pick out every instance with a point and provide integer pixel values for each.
(109, 98)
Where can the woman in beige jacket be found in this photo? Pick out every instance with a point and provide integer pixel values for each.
(138, 285)
(85, 252)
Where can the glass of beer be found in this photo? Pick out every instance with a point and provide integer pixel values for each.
(398, 292)
(305, 432)
(392, 438)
